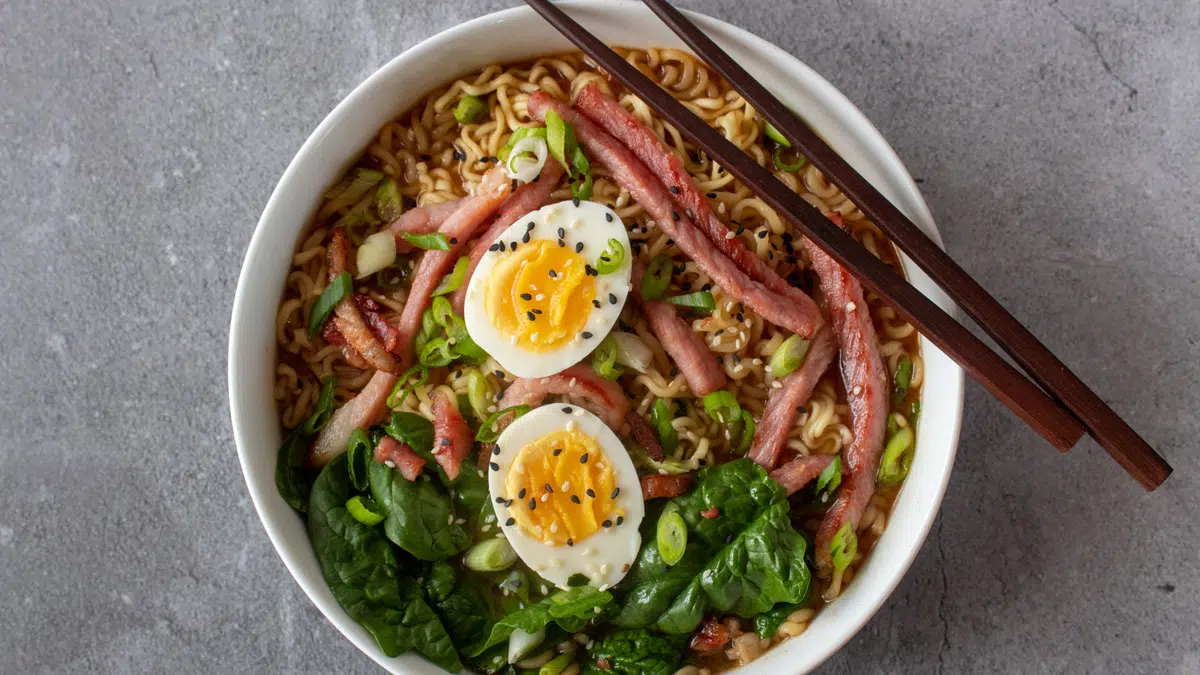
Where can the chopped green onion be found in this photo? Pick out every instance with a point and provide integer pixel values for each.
(829, 480)
(455, 278)
(701, 300)
(359, 453)
(490, 555)
(556, 138)
(377, 253)
(660, 419)
(470, 109)
(354, 186)
(364, 510)
(746, 433)
(517, 584)
(402, 388)
(560, 139)
(604, 359)
(789, 356)
(657, 278)
(722, 407)
(436, 353)
(901, 380)
(612, 258)
(324, 407)
(897, 456)
(914, 411)
(581, 168)
(479, 393)
(341, 286)
(773, 134)
(490, 430)
(892, 425)
(844, 547)
(388, 203)
(557, 664)
(518, 135)
(521, 643)
(672, 535)
(783, 165)
(431, 241)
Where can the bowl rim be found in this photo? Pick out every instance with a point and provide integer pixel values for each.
(240, 356)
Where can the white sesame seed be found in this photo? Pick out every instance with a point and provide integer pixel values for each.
(553, 526)
(545, 591)
(597, 611)
(450, 520)
(738, 368)
(571, 383)
(721, 207)
(776, 385)
(489, 518)
(570, 425)
(857, 390)
(566, 486)
(539, 297)
(534, 337)
(390, 464)
(757, 362)
(485, 528)
(730, 235)
(545, 497)
(850, 306)
(459, 521)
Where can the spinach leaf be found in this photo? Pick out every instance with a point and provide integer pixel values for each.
(570, 609)
(768, 623)
(291, 479)
(464, 610)
(364, 575)
(635, 652)
(420, 518)
(412, 430)
(439, 582)
(744, 561)
(471, 497)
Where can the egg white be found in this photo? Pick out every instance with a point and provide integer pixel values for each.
(589, 223)
(605, 556)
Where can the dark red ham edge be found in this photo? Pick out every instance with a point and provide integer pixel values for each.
(783, 403)
(644, 436)
(367, 408)
(452, 437)
(801, 471)
(349, 320)
(603, 397)
(658, 486)
(399, 456)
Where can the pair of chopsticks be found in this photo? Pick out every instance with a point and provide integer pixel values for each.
(1061, 413)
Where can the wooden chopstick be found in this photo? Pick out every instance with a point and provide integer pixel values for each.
(1042, 413)
(1109, 430)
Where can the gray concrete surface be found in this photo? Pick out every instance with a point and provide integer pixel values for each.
(1057, 144)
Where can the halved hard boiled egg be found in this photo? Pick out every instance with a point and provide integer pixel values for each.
(567, 496)
(537, 302)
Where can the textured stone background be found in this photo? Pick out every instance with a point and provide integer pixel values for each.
(1057, 146)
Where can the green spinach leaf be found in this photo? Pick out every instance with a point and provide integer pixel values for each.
(292, 480)
(419, 516)
(635, 652)
(464, 609)
(768, 623)
(570, 609)
(364, 575)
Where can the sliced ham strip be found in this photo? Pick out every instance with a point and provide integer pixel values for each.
(451, 436)
(529, 197)
(866, 380)
(669, 169)
(399, 456)
(383, 331)
(801, 471)
(458, 228)
(605, 398)
(349, 319)
(694, 359)
(657, 485)
(421, 220)
(644, 436)
(783, 402)
(367, 408)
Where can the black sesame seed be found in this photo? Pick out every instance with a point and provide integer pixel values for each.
(529, 226)
(706, 287)
(499, 500)
(535, 310)
(426, 158)
(531, 316)
(740, 230)
(608, 217)
(711, 195)
(494, 466)
(686, 286)
(586, 335)
(739, 317)
(510, 522)
(719, 331)
(459, 156)
(557, 452)
(570, 542)
(575, 499)
(615, 492)
(525, 238)
(670, 242)
(575, 201)
(579, 247)
(561, 233)
(620, 519)
(762, 234)
(553, 274)
(607, 523)
(499, 374)
(801, 410)
(495, 247)
(674, 189)
(703, 462)
(453, 240)
(674, 371)
(770, 255)
(526, 296)
(590, 492)
(596, 304)
(568, 410)
(532, 503)
(548, 488)
(508, 503)
(496, 450)
(561, 243)
(512, 245)
(612, 298)
(583, 458)
(674, 215)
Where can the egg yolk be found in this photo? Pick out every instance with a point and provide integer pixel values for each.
(540, 295)
(562, 488)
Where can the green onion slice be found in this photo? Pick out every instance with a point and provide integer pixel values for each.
(722, 407)
(783, 165)
(341, 286)
(897, 457)
(430, 241)
(359, 454)
(402, 388)
(789, 356)
(746, 433)
(901, 380)
(455, 278)
(612, 258)
(490, 430)
(844, 547)
(560, 140)
(773, 134)
(604, 359)
(581, 168)
(657, 278)
(557, 664)
(829, 480)
(519, 134)
(354, 186)
(324, 408)
(388, 203)
(556, 138)
(470, 109)
(436, 353)
(364, 510)
(701, 300)
(672, 535)
(490, 555)
(660, 419)
(480, 394)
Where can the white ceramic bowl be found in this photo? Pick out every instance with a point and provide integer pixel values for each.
(468, 47)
